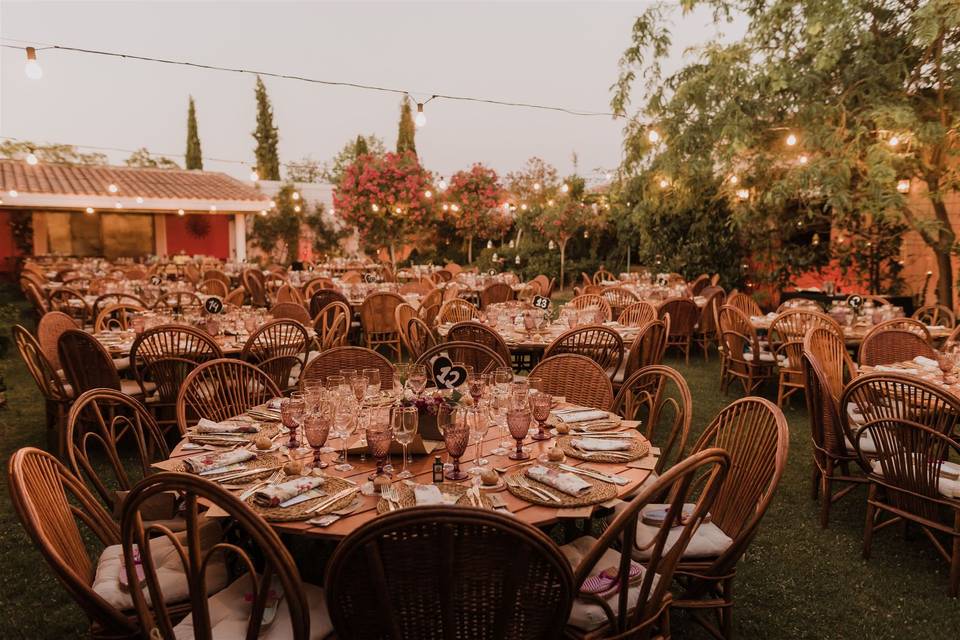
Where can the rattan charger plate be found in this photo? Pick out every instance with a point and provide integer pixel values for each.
(269, 429)
(639, 447)
(301, 511)
(612, 421)
(600, 492)
(408, 499)
(268, 462)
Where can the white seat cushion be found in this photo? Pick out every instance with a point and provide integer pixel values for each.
(765, 356)
(121, 363)
(867, 446)
(948, 488)
(585, 615)
(230, 611)
(131, 388)
(707, 542)
(170, 573)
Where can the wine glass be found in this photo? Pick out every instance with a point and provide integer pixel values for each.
(316, 427)
(498, 409)
(518, 421)
(334, 384)
(476, 386)
(345, 422)
(358, 386)
(945, 362)
(373, 379)
(291, 414)
(401, 371)
(503, 377)
(540, 409)
(479, 424)
(456, 436)
(405, 422)
(417, 378)
(379, 433)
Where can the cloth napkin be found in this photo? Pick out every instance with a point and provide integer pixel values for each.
(430, 494)
(273, 495)
(926, 363)
(275, 404)
(211, 461)
(568, 483)
(209, 426)
(584, 415)
(598, 444)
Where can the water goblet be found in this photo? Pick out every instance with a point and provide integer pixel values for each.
(456, 436)
(503, 377)
(540, 409)
(373, 382)
(405, 422)
(345, 422)
(379, 434)
(316, 428)
(291, 413)
(476, 386)
(518, 421)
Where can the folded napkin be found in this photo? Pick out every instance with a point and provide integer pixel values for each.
(598, 444)
(209, 426)
(275, 404)
(430, 494)
(210, 461)
(926, 363)
(758, 318)
(887, 369)
(273, 495)
(568, 483)
(582, 415)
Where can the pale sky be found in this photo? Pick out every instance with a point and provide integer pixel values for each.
(560, 54)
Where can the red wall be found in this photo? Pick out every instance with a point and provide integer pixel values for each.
(216, 243)
(8, 249)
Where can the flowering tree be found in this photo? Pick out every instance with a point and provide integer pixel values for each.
(565, 215)
(385, 199)
(475, 196)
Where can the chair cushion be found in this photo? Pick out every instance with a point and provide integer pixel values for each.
(170, 573)
(765, 356)
(229, 613)
(121, 363)
(708, 540)
(131, 388)
(586, 615)
(948, 488)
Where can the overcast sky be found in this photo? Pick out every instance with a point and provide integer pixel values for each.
(562, 54)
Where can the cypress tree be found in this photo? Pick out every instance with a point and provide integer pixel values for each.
(193, 158)
(407, 130)
(268, 161)
(361, 148)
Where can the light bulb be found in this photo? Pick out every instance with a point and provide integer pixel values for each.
(421, 119)
(489, 244)
(653, 136)
(442, 185)
(550, 245)
(32, 159)
(495, 256)
(454, 207)
(550, 202)
(791, 140)
(894, 141)
(734, 179)
(664, 183)
(586, 234)
(506, 206)
(803, 159)
(565, 188)
(516, 260)
(903, 186)
(33, 69)
(112, 188)
(89, 209)
(295, 196)
(273, 204)
(117, 205)
(375, 208)
(263, 212)
(446, 207)
(139, 200)
(743, 194)
(180, 212)
(523, 207)
(297, 208)
(213, 207)
(537, 186)
(254, 176)
(428, 194)
(12, 193)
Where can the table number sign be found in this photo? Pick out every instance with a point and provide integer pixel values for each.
(541, 302)
(213, 305)
(155, 280)
(445, 374)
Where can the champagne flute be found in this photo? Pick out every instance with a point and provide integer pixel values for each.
(405, 423)
(373, 380)
(345, 422)
(498, 407)
(479, 424)
(417, 378)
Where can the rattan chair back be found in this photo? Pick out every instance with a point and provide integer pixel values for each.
(51, 325)
(86, 363)
(494, 293)
(166, 354)
(222, 389)
(332, 361)
(291, 311)
(745, 304)
(578, 378)
(481, 334)
(71, 302)
(648, 346)
(255, 285)
(888, 346)
(419, 337)
(332, 325)
(457, 310)
(601, 275)
(935, 315)
(591, 300)
(637, 314)
(601, 344)
(278, 347)
(322, 297)
(116, 317)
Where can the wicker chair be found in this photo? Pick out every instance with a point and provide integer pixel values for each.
(744, 359)
(400, 576)
(745, 304)
(637, 314)
(332, 325)
(481, 334)
(56, 394)
(660, 399)
(49, 328)
(179, 301)
(332, 361)
(419, 337)
(482, 358)
(707, 333)
(647, 349)
(255, 285)
(619, 299)
(71, 302)
(934, 315)
(602, 345)
(291, 311)
(192, 273)
(162, 357)
(434, 297)
(288, 293)
(222, 389)
(379, 323)
(590, 300)
(640, 607)
(226, 612)
(87, 365)
(116, 316)
(546, 285)
(786, 336)
(216, 274)
(322, 297)
(457, 310)
(684, 315)
(494, 293)
(888, 346)
(402, 315)
(41, 304)
(317, 284)
(755, 434)
(601, 275)
(279, 348)
(236, 297)
(578, 378)
(699, 284)
(108, 299)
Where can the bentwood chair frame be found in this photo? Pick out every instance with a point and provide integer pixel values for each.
(601, 275)
(273, 559)
(332, 325)
(116, 316)
(698, 480)
(216, 274)
(332, 361)
(481, 334)
(413, 561)
(178, 301)
(903, 324)
(457, 310)
(745, 304)
(578, 378)
(684, 315)
(109, 299)
(87, 364)
(597, 342)
(482, 358)
(49, 328)
(402, 315)
(619, 298)
(647, 348)
(379, 322)
(637, 314)
(707, 333)
(935, 314)
(323, 297)
(291, 311)
(222, 389)
(888, 346)
(255, 287)
(51, 502)
(588, 300)
(494, 293)
(56, 394)
(289, 293)
(754, 433)
(786, 336)
(71, 302)
(41, 304)
(419, 337)
(277, 348)
(701, 282)
(738, 334)
(213, 287)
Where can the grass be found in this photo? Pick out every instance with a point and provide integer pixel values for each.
(796, 581)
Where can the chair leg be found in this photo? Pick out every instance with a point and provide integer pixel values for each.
(726, 619)
(868, 528)
(826, 498)
(955, 557)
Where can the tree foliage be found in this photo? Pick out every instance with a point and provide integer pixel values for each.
(278, 232)
(475, 198)
(306, 169)
(194, 157)
(268, 158)
(406, 129)
(52, 153)
(353, 149)
(142, 158)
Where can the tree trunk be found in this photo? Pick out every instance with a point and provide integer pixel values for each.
(944, 278)
(469, 249)
(393, 258)
(563, 251)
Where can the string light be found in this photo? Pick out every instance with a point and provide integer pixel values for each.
(33, 69)
(12, 193)
(112, 188)
(489, 244)
(537, 186)
(506, 206)
(428, 194)
(516, 260)
(803, 159)
(263, 212)
(664, 183)
(421, 119)
(297, 208)
(397, 210)
(89, 209)
(446, 207)
(139, 200)
(586, 234)
(903, 186)
(213, 208)
(374, 207)
(295, 196)
(791, 140)
(180, 212)
(894, 141)
(442, 185)
(550, 202)
(454, 207)
(32, 159)
(565, 188)
(254, 176)
(117, 205)
(653, 136)
(734, 179)
(523, 206)
(743, 194)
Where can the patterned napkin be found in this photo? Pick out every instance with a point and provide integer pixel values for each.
(210, 461)
(429, 494)
(584, 415)
(597, 444)
(569, 483)
(273, 495)
(230, 426)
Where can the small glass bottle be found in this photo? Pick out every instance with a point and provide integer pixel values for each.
(437, 470)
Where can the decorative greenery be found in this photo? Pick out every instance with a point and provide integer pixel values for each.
(278, 232)
(477, 195)
(142, 158)
(194, 157)
(268, 159)
(306, 169)
(333, 170)
(21, 228)
(52, 153)
(197, 225)
(407, 130)
(327, 235)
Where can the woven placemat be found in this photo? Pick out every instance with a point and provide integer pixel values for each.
(598, 426)
(269, 429)
(599, 493)
(268, 462)
(330, 487)
(409, 499)
(639, 447)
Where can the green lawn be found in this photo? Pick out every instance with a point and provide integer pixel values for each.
(796, 581)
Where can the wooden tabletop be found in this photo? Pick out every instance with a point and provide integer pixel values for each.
(518, 340)
(853, 335)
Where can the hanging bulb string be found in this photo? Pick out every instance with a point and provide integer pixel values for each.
(331, 83)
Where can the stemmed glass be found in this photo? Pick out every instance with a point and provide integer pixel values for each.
(417, 378)
(345, 422)
(335, 384)
(479, 424)
(518, 420)
(498, 408)
(540, 409)
(401, 371)
(316, 427)
(358, 385)
(455, 437)
(291, 415)
(945, 362)
(373, 380)
(379, 436)
(405, 422)
(476, 386)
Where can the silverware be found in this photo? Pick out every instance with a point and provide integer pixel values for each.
(523, 483)
(332, 499)
(243, 474)
(590, 473)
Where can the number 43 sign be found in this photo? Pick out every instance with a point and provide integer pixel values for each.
(541, 302)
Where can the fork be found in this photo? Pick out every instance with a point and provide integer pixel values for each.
(548, 494)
